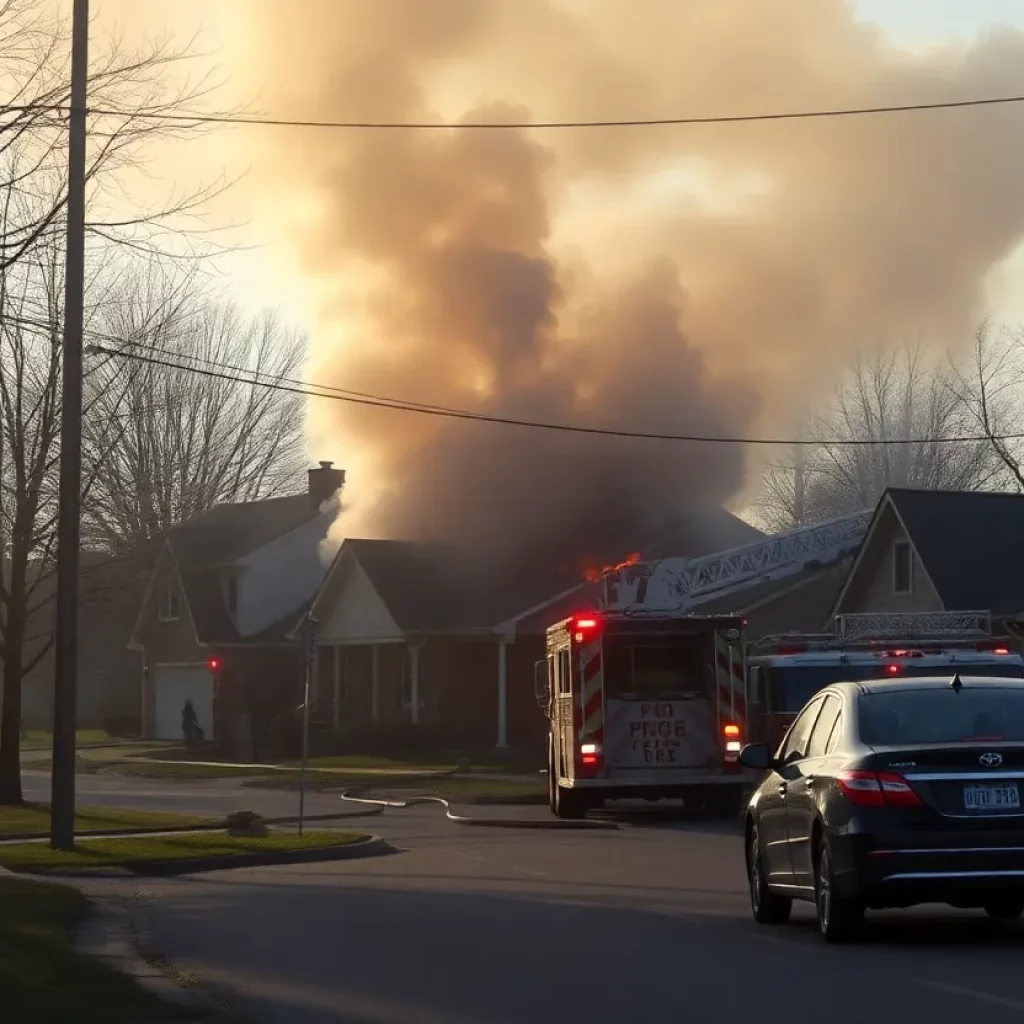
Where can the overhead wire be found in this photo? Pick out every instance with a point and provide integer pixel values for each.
(640, 122)
(313, 390)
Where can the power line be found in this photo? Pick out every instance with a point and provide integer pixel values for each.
(312, 390)
(643, 122)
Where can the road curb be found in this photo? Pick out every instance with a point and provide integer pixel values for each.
(373, 846)
(170, 830)
(113, 933)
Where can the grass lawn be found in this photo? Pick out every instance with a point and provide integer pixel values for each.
(138, 851)
(43, 980)
(35, 818)
(38, 739)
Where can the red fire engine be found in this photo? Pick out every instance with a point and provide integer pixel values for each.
(786, 671)
(644, 706)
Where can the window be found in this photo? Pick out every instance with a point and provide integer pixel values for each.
(821, 733)
(170, 605)
(794, 747)
(233, 594)
(564, 673)
(978, 714)
(902, 567)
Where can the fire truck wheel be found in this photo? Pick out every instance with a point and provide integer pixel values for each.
(569, 804)
(768, 907)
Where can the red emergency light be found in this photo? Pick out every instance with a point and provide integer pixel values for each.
(213, 664)
(584, 626)
(893, 670)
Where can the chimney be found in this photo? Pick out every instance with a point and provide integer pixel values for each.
(325, 482)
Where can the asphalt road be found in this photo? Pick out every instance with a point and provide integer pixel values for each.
(466, 926)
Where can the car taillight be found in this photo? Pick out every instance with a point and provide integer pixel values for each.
(877, 789)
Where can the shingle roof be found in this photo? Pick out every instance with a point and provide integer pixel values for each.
(430, 587)
(221, 536)
(799, 603)
(971, 544)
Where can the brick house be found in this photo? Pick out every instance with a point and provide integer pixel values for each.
(216, 625)
(941, 551)
(411, 639)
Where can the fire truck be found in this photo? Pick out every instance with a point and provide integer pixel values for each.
(646, 707)
(785, 671)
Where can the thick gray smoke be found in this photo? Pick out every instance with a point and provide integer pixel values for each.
(467, 275)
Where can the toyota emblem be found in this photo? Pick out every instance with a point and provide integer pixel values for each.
(991, 759)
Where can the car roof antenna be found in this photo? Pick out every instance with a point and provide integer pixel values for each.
(957, 684)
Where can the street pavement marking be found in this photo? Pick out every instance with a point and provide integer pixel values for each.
(971, 993)
(503, 864)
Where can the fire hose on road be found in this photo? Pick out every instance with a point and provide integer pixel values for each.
(361, 796)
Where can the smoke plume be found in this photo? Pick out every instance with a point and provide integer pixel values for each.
(698, 279)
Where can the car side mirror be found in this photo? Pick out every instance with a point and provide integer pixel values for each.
(758, 756)
(541, 691)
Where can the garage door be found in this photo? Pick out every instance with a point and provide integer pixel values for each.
(173, 685)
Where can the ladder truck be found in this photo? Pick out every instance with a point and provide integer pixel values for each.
(645, 699)
(784, 672)
(644, 707)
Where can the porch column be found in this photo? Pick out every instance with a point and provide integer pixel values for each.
(502, 694)
(414, 681)
(375, 684)
(339, 652)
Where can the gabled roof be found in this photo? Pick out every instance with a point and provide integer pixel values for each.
(971, 544)
(441, 588)
(202, 546)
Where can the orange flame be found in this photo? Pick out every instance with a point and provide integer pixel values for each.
(596, 575)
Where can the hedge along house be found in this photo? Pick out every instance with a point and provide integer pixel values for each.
(218, 615)
(413, 641)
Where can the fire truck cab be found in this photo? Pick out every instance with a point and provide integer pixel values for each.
(784, 672)
(644, 707)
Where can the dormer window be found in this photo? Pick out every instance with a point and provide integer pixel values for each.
(170, 605)
(232, 594)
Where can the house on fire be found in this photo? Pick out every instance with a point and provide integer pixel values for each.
(222, 604)
(410, 635)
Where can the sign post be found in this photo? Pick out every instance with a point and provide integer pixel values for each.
(309, 650)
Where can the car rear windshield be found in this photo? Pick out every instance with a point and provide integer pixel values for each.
(900, 717)
(795, 685)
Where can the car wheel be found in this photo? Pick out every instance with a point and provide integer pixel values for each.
(839, 918)
(768, 907)
(1005, 910)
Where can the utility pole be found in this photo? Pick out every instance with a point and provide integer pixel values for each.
(309, 652)
(62, 778)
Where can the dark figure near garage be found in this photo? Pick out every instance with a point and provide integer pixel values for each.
(191, 730)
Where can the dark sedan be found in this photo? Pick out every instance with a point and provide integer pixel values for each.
(892, 793)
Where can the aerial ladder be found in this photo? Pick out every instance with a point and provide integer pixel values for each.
(676, 584)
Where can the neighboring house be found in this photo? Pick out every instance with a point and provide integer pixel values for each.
(411, 635)
(941, 551)
(217, 623)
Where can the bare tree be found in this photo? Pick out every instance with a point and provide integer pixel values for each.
(988, 389)
(893, 423)
(170, 442)
(134, 96)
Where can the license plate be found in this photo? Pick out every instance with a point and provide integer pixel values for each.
(992, 797)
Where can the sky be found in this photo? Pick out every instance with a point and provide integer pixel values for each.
(923, 22)
(497, 270)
